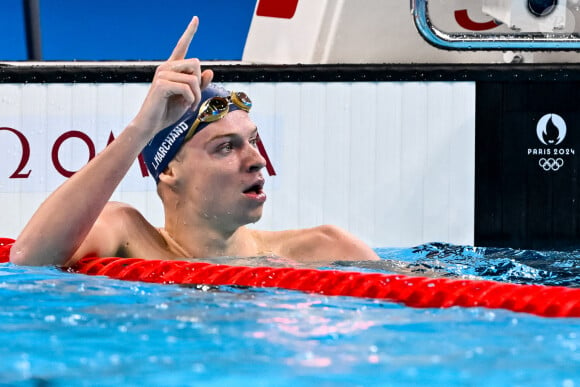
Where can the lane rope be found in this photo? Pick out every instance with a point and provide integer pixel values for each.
(419, 292)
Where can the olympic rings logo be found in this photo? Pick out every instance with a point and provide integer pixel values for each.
(551, 164)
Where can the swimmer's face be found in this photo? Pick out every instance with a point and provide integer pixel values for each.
(221, 171)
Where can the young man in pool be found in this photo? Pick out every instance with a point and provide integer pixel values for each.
(209, 177)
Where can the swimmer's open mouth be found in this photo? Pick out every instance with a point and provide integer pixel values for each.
(256, 188)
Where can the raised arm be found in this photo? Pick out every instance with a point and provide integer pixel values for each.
(62, 223)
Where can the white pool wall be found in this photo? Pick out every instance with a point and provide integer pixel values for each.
(392, 162)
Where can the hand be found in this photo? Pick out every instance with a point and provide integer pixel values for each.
(176, 86)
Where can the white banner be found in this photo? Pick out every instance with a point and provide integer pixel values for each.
(392, 163)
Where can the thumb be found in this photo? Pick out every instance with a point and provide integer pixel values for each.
(206, 78)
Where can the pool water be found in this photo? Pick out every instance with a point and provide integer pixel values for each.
(61, 329)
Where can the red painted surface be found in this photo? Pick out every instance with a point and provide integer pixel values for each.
(282, 9)
(462, 18)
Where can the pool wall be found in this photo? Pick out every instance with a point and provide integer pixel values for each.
(390, 161)
(397, 154)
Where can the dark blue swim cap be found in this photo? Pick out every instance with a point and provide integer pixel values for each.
(164, 146)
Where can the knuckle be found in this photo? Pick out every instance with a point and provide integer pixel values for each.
(193, 80)
(162, 67)
(162, 75)
(158, 82)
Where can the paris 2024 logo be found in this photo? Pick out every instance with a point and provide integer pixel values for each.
(551, 131)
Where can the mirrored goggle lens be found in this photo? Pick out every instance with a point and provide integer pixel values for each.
(213, 109)
(242, 100)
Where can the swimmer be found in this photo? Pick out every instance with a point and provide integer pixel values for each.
(201, 147)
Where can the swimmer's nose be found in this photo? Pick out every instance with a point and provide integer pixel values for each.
(255, 160)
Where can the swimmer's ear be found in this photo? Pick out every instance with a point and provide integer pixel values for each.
(169, 175)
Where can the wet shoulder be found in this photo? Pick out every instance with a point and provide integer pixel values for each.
(138, 237)
(303, 244)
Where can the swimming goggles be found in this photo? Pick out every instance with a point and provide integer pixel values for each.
(216, 108)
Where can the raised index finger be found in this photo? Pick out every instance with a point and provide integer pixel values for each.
(182, 45)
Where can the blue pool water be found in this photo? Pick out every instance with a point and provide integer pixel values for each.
(61, 329)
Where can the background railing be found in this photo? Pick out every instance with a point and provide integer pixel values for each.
(553, 28)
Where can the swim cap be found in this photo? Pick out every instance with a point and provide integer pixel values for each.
(164, 145)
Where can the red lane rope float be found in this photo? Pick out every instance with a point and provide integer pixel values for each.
(5, 245)
(421, 292)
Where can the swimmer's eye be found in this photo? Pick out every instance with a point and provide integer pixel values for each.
(226, 147)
